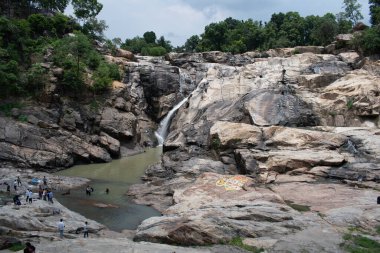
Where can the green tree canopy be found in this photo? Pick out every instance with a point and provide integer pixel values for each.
(374, 8)
(352, 11)
(149, 37)
(85, 9)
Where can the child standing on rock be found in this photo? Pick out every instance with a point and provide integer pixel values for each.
(85, 230)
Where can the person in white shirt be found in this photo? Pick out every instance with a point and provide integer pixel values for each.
(30, 196)
(85, 230)
(61, 227)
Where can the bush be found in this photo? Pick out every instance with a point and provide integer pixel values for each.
(36, 77)
(101, 78)
(371, 41)
(39, 24)
(153, 51)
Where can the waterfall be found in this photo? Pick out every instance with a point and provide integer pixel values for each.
(162, 131)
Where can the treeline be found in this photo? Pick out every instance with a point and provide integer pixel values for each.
(27, 44)
(283, 30)
(288, 30)
(148, 45)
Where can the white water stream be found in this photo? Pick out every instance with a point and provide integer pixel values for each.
(162, 131)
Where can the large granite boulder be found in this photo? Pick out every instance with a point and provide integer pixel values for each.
(119, 125)
(42, 148)
(216, 208)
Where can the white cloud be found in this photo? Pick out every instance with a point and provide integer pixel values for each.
(177, 20)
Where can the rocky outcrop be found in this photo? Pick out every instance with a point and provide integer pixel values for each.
(268, 146)
(45, 148)
(272, 128)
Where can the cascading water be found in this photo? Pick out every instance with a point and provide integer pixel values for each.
(162, 130)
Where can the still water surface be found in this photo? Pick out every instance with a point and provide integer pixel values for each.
(117, 176)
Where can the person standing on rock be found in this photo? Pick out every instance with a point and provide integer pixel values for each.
(50, 196)
(15, 185)
(8, 188)
(88, 190)
(40, 192)
(26, 196)
(18, 181)
(85, 230)
(45, 180)
(44, 194)
(61, 227)
(30, 196)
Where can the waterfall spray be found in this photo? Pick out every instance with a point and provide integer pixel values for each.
(162, 131)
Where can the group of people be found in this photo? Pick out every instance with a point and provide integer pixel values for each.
(61, 228)
(43, 192)
(16, 183)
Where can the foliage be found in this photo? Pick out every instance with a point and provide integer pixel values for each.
(104, 75)
(7, 108)
(36, 78)
(75, 54)
(238, 242)
(83, 9)
(360, 244)
(17, 247)
(94, 28)
(86, 9)
(374, 9)
(352, 10)
(149, 37)
(283, 30)
(215, 143)
(378, 230)
(350, 103)
(147, 45)
(153, 51)
(369, 41)
(191, 43)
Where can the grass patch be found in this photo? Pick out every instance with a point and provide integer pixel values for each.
(299, 208)
(350, 103)
(360, 244)
(94, 105)
(17, 247)
(378, 230)
(238, 242)
(215, 143)
(7, 108)
(22, 118)
(322, 215)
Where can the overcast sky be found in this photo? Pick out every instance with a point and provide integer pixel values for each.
(177, 20)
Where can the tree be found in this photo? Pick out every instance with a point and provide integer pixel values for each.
(164, 43)
(134, 45)
(94, 28)
(374, 9)
(352, 10)
(149, 37)
(52, 5)
(192, 43)
(325, 30)
(85, 9)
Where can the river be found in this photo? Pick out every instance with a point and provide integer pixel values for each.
(117, 176)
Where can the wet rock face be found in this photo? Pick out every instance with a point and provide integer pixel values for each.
(160, 85)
